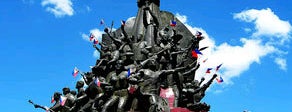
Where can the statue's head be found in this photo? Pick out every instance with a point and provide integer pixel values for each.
(57, 96)
(79, 84)
(66, 90)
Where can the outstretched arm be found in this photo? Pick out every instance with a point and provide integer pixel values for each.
(116, 41)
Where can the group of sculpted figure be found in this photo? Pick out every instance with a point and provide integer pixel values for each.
(133, 68)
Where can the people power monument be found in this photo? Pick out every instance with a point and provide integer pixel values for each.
(149, 66)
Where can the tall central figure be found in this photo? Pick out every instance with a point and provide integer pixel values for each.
(147, 21)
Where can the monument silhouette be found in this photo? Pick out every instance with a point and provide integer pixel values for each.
(148, 66)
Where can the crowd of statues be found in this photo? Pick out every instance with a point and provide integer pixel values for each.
(133, 69)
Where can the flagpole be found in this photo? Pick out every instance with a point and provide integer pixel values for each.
(112, 26)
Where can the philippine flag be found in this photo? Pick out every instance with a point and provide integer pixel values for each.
(101, 22)
(218, 67)
(208, 70)
(129, 73)
(63, 100)
(95, 41)
(195, 53)
(91, 37)
(220, 79)
(52, 100)
(199, 34)
(97, 82)
(172, 23)
(75, 72)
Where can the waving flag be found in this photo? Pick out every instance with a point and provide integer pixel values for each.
(63, 100)
(129, 73)
(97, 82)
(220, 79)
(123, 23)
(91, 37)
(218, 67)
(198, 34)
(52, 100)
(195, 53)
(95, 41)
(101, 22)
(75, 72)
(209, 70)
(172, 23)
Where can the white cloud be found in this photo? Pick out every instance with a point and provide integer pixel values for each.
(96, 32)
(282, 63)
(266, 23)
(237, 59)
(59, 8)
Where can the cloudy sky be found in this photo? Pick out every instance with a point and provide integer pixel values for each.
(43, 40)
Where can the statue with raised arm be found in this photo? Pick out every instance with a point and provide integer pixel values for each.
(149, 84)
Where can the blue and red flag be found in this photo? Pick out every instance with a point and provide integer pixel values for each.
(218, 67)
(195, 53)
(220, 79)
(101, 22)
(198, 34)
(97, 82)
(208, 70)
(52, 100)
(172, 23)
(95, 41)
(75, 72)
(63, 100)
(129, 73)
(123, 23)
(91, 37)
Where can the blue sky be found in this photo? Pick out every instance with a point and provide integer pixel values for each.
(43, 40)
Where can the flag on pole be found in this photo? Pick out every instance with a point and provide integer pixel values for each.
(95, 41)
(97, 82)
(172, 23)
(129, 73)
(63, 100)
(220, 79)
(101, 22)
(218, 67)
(91, 37)
(52, 100)
(195, 53)
(75, 72)
(208, 70)
(198, 51)
(123, 23)
(198, 34)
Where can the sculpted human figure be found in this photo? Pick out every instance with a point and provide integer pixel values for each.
(70, 98)
(80, 101)
(120, 94)
(139, 28)
(91, 92)
(149, 86)
(140, 50)
(152, 24)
